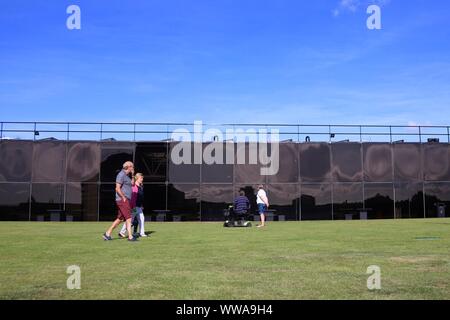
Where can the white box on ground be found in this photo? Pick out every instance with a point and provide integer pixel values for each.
(363, 215)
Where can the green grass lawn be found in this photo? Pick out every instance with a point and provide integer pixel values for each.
(286, 260)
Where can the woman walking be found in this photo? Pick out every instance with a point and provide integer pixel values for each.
(263, 204)
(137, 203)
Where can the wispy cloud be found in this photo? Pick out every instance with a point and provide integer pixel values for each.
(353, 6)
(346, 6)
(350, 5)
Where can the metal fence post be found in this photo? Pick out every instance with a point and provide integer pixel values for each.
(448, 134)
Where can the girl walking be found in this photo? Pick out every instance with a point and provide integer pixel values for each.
(137, 203)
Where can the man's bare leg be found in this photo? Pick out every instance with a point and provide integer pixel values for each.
(128, 224)
(113, 226)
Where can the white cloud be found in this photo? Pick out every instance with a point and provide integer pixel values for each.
(351, 5)
(354, 5)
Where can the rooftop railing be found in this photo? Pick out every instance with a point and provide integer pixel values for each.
(154, 131)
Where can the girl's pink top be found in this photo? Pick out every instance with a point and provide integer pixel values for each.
(134, 193)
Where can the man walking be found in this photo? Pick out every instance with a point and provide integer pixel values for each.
(123, 197)
(263, 204)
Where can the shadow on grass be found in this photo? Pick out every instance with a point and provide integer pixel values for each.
(148, 233)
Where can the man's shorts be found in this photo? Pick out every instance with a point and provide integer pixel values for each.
(262, 208)
(123, 210)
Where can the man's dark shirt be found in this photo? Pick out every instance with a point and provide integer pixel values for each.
(241, 204)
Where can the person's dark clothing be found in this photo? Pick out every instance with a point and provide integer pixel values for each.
(140, 197)
(241, 204)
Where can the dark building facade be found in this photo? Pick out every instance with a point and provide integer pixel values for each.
(74, 181)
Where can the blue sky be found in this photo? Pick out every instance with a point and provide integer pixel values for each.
(310, 62)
